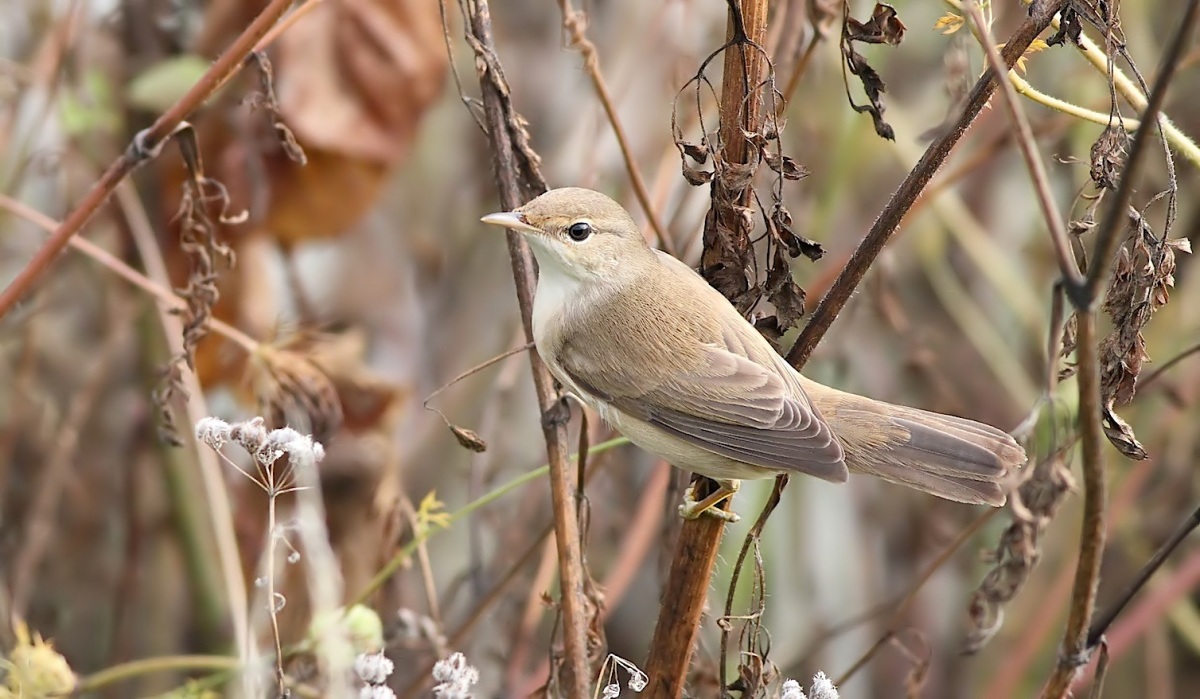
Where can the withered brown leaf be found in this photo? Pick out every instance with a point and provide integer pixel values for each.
(783, 292)
(884, 27)
(1121, 435)
(780, 225)
(785, 165)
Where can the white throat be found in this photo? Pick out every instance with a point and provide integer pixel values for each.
(559, 287)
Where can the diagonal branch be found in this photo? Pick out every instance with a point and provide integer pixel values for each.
(1040, 15)
(145, 146)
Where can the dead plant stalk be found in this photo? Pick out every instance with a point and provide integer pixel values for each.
(1075, 650)
(684, 598)
(517, 176)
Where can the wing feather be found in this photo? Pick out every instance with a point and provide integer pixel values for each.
(731, 406)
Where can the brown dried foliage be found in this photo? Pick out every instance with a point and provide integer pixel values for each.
(1142, 276)
(884, 27)
(1019, 550)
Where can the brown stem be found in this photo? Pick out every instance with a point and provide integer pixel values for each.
(699, 540)
(1074, 652)
(575, 24)
(1024, 136)
(1076, 648)
(144, 147)
(902, 200)
(516, 175)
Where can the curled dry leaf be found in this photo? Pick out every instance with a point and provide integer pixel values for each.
(1121, 435)
(736, 178)
(468, 439)
(695, 151)
(1108, 156)
(785, 166)
(1069, 28)
(780, 224)
(1143, 274)
(292, 390)
(883, 28)
(695, 176)
(1019, 548)
(783, 292)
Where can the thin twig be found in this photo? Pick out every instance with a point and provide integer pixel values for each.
(145, 146)
(902, 200)
(516, 174)
(114, 264)
(1102, 621)
(1024, 137)
(575, 24)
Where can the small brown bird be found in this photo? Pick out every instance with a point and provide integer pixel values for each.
(672, 365)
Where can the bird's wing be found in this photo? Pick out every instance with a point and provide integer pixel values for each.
(724, 402)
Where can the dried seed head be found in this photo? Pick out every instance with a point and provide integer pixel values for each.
(1108, 157)
(292, 390)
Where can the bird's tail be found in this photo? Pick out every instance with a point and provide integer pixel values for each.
(951, 457)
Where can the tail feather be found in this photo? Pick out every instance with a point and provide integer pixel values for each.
(951, 457)
(946, 456)
(967, 490)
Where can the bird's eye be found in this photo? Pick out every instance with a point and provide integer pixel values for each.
(579, 231)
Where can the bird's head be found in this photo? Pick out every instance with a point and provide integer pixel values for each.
(578, 232)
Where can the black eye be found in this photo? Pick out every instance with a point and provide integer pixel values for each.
(580, 231)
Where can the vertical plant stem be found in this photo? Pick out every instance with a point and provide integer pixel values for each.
(686, 593)
(1095, 499)
(1076, 650)
(512, 170)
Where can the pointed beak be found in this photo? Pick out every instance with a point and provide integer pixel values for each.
(512, 220)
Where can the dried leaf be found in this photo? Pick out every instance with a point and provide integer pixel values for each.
(468, 439)
(1121, 435)
(872, 85)
(695, 176)
(884, 27)
(695, 151)
(773, 127)
(1069, 27)
(1108, 156)
(1142, 275)
(784, 293)
(291, 390)
(768, 327)
(736, 177)
(780, 224)
(785, 166)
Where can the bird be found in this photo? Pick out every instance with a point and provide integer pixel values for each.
(666, 360)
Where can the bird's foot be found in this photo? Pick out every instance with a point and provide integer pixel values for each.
(693, 508)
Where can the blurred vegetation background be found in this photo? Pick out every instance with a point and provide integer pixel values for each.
(363, 282)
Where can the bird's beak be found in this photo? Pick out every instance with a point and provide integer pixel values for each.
(511, 219)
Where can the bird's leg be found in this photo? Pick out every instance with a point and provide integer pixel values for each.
(691, 508)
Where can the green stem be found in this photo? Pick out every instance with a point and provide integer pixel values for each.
(403, 554)
(149, 666)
